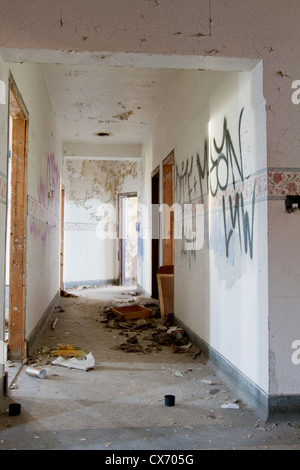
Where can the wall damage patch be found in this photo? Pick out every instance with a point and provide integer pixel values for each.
(89, 183)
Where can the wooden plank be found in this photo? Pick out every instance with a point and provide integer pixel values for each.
(165, 281)
(17, 289)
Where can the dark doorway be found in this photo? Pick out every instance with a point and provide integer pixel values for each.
(155, 230)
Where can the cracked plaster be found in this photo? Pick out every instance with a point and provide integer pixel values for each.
(89, 183)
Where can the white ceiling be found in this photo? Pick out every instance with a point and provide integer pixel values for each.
(121, 101)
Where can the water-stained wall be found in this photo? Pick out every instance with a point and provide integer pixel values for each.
(90, 184)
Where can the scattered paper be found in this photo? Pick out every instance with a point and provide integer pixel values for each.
(177, 373)
(73, 363)
(210, 382)
(230, 406)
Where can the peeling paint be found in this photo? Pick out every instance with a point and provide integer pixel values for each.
(123, 116)
(89, 183)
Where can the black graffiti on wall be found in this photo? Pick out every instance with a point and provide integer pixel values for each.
(236, 215)
(216, 170)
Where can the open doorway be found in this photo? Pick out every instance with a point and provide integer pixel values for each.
(16, 225)
(155, 230)
(128, 238)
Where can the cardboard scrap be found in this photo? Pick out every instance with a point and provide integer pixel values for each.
(132, 312)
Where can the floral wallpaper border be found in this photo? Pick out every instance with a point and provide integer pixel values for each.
(80, 226)
(270, 184)
(283, 182)
(40, 214)
(276, 183)
(257, 181)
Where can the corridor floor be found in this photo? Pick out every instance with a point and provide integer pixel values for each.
(119, 404)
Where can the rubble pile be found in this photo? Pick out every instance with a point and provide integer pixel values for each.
(156, 335)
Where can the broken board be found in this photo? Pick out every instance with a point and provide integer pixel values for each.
(132, 312)
(165, 282)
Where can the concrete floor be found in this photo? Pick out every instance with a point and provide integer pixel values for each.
(119, 405)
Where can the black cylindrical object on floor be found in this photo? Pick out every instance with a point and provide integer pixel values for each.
(14, 409)
(169, 400)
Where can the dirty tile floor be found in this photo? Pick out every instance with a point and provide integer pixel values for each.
(119, 404)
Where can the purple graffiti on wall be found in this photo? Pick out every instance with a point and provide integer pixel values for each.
(42, 195)
(48, 198)
(53, 176)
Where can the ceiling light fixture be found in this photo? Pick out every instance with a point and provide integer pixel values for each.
(102, 134)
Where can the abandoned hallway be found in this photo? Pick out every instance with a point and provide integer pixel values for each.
(145, 143)
(119, 403)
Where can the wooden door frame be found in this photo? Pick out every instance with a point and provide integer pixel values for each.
(168, 199)
(62, 233)
(18, 230)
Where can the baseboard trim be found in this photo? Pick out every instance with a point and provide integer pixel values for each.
(40, 325)
(142, 291)
(3, 385)
(265, 405)
(97, 283)
(284, 404)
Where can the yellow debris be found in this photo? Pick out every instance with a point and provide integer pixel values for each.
(68, 350)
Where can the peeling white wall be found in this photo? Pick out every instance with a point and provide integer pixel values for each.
(89, 184)
(144, 260)
(284, 262)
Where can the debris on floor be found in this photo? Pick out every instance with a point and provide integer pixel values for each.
(67, 351)
(74, 363)
(132, 312)
(63, 293)
(157, 334)
(54, 323)
(230, 406)
(36, 372)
